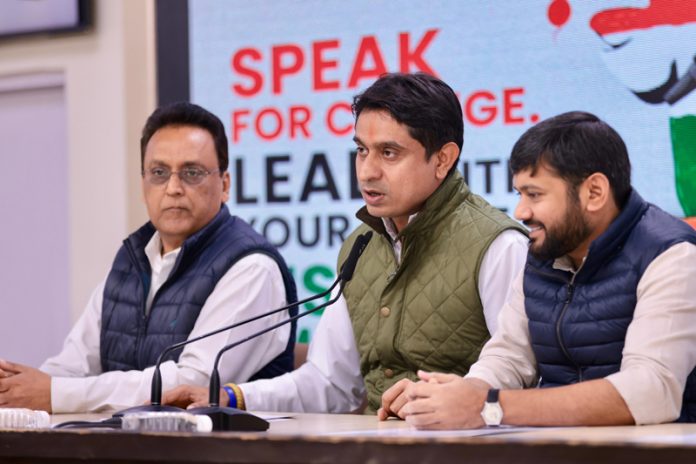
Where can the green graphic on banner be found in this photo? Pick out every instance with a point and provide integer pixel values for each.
(683, 131)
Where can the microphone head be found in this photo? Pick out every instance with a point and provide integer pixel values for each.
(349, 264)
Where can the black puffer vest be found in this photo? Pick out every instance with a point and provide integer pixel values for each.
(578, 325)
(132, 339)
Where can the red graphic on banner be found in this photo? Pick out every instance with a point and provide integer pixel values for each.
(640, 41)
(658, 13)
(559, 12)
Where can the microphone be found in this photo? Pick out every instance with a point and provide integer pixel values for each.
(233, 419)
(348, 267)
(156, 385)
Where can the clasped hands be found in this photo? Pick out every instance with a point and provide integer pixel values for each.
(24, 387)
(437, 401)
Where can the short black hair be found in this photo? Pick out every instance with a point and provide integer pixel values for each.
(186, 114)
(425, 104)
(576, 145)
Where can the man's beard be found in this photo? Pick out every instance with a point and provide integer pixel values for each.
(563, 238)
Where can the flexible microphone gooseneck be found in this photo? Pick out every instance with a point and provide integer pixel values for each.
(156, 388)
(226, 418)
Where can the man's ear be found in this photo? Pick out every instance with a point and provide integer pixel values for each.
(226, 183)
(446, 157)
(596, 192)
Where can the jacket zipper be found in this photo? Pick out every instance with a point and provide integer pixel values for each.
(559, 336)
(566, 304)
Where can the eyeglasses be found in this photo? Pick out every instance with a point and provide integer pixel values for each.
(190, 176)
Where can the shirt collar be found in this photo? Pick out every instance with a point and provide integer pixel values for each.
(390, 227)
(564, 263)
(153, 251)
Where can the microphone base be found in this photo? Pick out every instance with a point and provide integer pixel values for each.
(147, 408)
(232, 419)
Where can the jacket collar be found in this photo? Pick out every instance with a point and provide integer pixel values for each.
(612, 239)
(137, 241)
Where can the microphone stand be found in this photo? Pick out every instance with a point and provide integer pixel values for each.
(233, 419)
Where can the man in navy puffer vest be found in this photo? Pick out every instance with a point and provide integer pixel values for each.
(603, 318)
(191, 269)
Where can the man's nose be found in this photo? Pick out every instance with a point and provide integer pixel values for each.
(368, 167)
(175, 185)
(522, 211)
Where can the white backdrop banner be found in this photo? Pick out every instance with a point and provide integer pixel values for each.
(281, 75)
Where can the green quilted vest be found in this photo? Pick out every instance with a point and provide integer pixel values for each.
(424, 313)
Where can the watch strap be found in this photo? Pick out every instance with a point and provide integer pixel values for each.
(492, 395)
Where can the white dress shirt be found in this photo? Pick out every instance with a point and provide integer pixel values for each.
(253, 285)
(330, 380)
(660, 349)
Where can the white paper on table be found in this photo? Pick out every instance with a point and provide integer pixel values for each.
(412, 432)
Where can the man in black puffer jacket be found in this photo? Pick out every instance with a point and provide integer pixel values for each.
(191, 269)
(603, 318)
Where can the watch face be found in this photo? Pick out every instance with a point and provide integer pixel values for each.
(492, 413)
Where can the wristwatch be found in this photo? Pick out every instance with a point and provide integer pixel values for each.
(492, 413)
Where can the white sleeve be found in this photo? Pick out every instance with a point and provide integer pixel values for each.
(252, 286)
(660, 349)
(507, 360)
(329, 381)
(80, 354)
(501, 264)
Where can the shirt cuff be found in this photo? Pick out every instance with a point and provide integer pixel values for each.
(276, 394)
(636, 385)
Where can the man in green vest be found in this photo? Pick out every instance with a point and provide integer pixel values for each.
(427, 290)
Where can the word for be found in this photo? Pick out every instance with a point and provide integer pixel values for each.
(481, 108)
